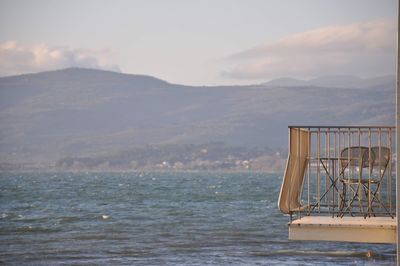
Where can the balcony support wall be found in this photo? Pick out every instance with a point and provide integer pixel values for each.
(347, 229)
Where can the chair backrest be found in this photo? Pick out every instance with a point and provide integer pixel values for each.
(382, 157)
(356, 156)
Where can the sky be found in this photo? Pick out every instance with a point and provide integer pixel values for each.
(207, 42)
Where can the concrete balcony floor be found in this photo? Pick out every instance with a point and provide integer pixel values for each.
(348, 229)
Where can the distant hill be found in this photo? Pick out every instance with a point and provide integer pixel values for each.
(83, 112)
(336, 82)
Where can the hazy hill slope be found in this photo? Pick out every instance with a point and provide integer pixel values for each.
(336, 82)
(73, 112)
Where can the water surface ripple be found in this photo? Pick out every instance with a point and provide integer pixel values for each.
(157, 219)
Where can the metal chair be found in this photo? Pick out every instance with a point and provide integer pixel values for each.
(354, 159)
(380, 165)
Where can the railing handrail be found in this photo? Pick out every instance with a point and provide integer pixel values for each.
(303, 126)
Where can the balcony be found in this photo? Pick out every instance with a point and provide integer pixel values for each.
(339, 184)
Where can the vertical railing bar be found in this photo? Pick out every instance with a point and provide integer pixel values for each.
(348, 168)
(309, 169)
(369, 173)
(334, 170)
(318, 169)
(390, 171)
(290, 179)
(385, 136)
(388, 174)
(327, 182)
(338, 167)
(380, 167)
(298, 161)
(352, 144)
(360, 195)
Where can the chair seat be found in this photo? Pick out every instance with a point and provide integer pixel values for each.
(363, 190)
(355, 181)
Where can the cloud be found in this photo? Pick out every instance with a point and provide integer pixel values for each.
(17, 59)
(362, 49)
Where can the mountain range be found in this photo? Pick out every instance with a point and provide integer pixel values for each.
(85, 112)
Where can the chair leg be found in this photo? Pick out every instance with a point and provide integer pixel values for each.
(375, 192)
(343, 201)
(350, 203)
(374, 198)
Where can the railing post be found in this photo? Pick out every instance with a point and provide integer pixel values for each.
(318, 169)
(290, 179)
(308, 171)
(338, 169)
(349, 170)
(380, 163)
(369, 172)
(390, 144)
(298, 163)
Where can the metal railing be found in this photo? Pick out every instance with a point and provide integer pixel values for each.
(344, 171)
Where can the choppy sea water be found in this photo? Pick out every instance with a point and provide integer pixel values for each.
(157, 219)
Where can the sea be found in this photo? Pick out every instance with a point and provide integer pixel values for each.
(158, 218)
